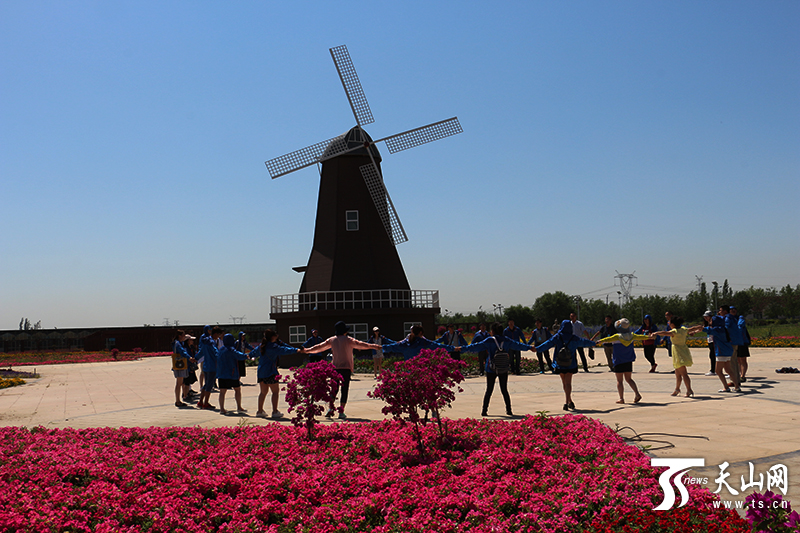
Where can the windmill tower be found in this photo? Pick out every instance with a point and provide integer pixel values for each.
(354, 272)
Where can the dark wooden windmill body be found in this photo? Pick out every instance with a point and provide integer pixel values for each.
(354, 272)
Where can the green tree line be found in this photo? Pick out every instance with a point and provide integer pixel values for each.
(556, 306)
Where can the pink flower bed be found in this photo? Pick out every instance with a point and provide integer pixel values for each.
(567, 473)
(58, 358)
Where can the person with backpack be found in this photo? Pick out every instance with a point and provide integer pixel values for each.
(497, 347)
(565, 362)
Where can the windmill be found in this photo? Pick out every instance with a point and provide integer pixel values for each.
(357, 227)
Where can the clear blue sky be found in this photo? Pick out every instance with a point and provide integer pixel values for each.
(655, 137)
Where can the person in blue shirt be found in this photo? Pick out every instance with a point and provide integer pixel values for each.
(268, 379)
(414, 343)
(228, 373)
(723, 349)
(497, 342)
(732, 325)
(180, 366)
(453, 337)
(515, 334)
(479, 336)
(538, 336)
(565, 339)
(243, 346)
(312, 341)
(743, 352)
(208, 355)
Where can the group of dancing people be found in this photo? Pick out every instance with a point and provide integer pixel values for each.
(222, 356)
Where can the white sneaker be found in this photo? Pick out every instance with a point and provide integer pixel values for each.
(342, 416)
(711, 373)
(261, 414)
(276, 415)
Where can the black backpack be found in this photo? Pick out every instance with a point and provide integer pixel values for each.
(500, 361)
(563, 357)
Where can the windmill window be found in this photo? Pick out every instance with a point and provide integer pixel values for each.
(352, 220)
(360, 331)
(297, 334)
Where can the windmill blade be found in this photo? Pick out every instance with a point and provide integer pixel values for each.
(352, 86)
(307, 156)
(383, 203)
(425, 134)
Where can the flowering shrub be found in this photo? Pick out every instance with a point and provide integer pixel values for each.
(424, 382)
(311, 384)
(541, 474)
(10, 382)
(765, 342)
(770, 513)
(56, 358)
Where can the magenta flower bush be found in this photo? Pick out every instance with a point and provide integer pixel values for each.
(539, 474)
(422, 384)
(314, 383)
(769, 513)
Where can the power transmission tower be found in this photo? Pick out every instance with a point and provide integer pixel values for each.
(238, 319)
(625, 283)
(699, 282)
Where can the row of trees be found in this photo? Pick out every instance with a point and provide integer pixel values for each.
(556, 306)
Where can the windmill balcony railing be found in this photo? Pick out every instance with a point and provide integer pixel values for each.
(364, 299)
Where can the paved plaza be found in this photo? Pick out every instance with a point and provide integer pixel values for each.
(761, 426)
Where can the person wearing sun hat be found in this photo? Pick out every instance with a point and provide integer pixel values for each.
(623, 357)
(342, 347)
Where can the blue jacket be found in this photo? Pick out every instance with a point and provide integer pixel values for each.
(514, 334)
(313, 341)
(573, 344)
(490, 346)
(722, 342)
(208, 351)
(732, 323)
(412, 349)
(743, 330)
(480, 336)
(227, 357)
(644, 330)
(179, 349)
(457, 340)
(268, 354)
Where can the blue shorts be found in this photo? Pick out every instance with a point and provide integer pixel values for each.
(210, 382)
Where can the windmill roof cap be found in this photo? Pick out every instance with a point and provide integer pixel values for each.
(355, 137)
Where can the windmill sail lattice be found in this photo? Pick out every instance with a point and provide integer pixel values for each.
(352, 85)
(384, 204)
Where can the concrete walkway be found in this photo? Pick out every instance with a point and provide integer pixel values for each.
(761, 426)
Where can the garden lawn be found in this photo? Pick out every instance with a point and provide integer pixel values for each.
(566, 473)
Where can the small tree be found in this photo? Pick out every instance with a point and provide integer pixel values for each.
(310, 385)
(422, 384)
